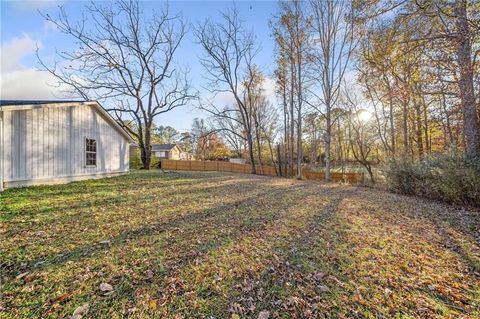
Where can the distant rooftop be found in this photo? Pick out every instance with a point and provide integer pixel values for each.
(162, 147)
(39, 102)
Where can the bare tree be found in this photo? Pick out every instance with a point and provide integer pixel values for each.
(333, 45)
(283, 76)
(363, 133)
(291, 36)
(231, 131)
(125, 59)
(265, 120)
(199, 137)
(229, 51)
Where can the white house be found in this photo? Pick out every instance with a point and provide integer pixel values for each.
(46, 142)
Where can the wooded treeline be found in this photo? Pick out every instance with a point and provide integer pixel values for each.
(368, 82)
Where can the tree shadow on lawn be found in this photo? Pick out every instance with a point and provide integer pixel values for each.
(181, 220)
(329, 260)
(347, 260)
(464, 220)
(93, 220)
(217, 217)
(310, 250)
(59, 198)
(399, 263)
(262, 269)
(82, 211)
(457, 228)
(184, 253)
(64, 213)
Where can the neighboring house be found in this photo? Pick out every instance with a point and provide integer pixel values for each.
(166, 151)
(46, 142)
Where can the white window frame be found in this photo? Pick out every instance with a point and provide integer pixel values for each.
(90, 152)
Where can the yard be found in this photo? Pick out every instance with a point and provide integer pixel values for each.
(218, 245)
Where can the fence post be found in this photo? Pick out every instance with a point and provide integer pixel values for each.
(190, 162)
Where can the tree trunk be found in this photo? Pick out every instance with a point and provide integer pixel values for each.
(425, 127)
(451, 141)
(299, 144)
(299, 124)
(471, 125)
(298, 49)
(370, 172)
(418, 130)
(328, 138)
(286, 137)
(279, 172)
(392, 125)
(146, 148)
(250, 149)
(259, 148)
(292, 114)
(340, 148)
(405, 126)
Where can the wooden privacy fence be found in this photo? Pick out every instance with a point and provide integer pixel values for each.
(182, 165)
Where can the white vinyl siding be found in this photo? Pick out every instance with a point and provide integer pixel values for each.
(49, 142)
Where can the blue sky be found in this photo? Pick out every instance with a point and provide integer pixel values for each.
(22, 28)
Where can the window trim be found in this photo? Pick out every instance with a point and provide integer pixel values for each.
(85, 152)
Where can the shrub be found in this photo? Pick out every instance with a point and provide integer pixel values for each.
(449, 179)
(136, 162)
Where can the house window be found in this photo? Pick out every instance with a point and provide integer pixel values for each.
(90, 152)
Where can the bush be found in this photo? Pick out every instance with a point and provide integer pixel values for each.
(136, 162)
(449, 179)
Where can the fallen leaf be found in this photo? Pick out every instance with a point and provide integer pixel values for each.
(104, 287)
(80, 311)
(149, 274)
(21, 275)
(323, 288)
(152, 304)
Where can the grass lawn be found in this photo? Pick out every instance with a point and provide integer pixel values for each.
(220, 245)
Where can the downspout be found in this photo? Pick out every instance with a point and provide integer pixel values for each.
(1, 151)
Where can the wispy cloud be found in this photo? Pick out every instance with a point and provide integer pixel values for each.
(18, 81)
(222, 99)
(13, 51)
(36, 4)
(28, 84)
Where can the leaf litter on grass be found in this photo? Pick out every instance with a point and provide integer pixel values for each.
(217, 245)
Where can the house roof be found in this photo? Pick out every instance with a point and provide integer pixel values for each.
(163, 147)
(14, 105)
(37, 102)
